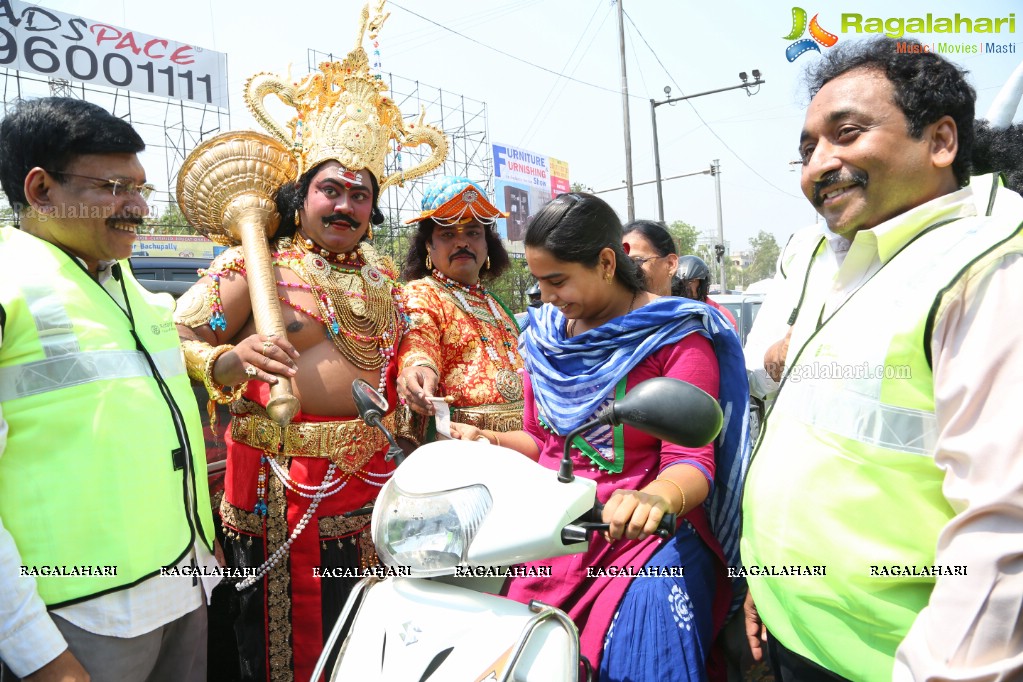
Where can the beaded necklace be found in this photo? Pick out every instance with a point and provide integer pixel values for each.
(359, 305)
(509, 383)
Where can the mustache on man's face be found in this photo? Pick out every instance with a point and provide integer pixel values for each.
(129, 218)
(462, 252)
(341, 218)
(837, 177)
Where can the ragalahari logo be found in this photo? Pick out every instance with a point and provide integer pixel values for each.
(804, 45)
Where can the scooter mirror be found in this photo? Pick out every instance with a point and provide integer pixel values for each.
(666, 408)
(671, 410)
(371, 405)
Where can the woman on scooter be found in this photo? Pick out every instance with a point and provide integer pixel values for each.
(598, 336)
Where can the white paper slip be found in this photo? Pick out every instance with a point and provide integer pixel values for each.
(442, 417)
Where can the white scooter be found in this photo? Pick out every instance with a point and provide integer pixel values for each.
(457, 511)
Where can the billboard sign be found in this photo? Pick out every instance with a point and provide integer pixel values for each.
(60, 45)
(173, 246)
(523, 182)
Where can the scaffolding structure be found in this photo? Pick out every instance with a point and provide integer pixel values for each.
(171, 128)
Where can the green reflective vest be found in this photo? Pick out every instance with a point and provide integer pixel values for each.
(105, 463)
(844, 474)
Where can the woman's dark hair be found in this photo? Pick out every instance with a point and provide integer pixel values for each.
(655, 233)
(926, 86)
(50, 133)
(575, 228)
(414, 266)
(291, 196)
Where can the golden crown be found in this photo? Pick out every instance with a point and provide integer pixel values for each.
(343, 115)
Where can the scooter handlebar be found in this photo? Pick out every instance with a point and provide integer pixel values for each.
(580, 532)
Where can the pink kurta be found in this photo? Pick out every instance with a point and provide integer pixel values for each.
(592, 602)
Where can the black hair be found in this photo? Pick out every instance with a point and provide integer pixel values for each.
(414, 266)
(291, 197)
(926, 86)
(575, 228)
(50, 132)
(655, 233)
(691, 268)
(999, 149)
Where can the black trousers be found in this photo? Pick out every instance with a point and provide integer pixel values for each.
(788, 666)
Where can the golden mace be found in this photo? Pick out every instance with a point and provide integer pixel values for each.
(226, 190)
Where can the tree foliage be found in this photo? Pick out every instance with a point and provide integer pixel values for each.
(685, 236)
(765, 256)
(167, 219)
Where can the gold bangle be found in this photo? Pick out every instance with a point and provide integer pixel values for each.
(220, 394)
(419, 359)
(497, 439)
(428, 365)
(681, 492)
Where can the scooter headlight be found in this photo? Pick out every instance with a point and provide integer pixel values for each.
(431, 533)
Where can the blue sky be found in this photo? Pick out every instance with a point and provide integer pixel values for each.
(691, 46)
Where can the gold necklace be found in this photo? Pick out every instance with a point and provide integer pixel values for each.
(366, 319)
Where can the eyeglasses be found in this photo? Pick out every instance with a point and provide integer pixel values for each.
(118, 188)
(640, 260)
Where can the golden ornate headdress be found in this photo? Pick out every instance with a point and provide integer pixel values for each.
(343, 115)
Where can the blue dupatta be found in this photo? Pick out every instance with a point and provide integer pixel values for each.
(573, 377)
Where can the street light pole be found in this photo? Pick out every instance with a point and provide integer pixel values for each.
(757, 80)
(657, 162)
(715, 170)
(625, 111)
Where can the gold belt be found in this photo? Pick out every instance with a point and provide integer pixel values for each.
(349, 444)
(494, 417)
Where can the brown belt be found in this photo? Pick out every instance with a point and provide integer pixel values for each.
(494, 417)
(349, 444)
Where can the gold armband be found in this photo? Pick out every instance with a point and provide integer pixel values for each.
(196, 353)
(200, 357)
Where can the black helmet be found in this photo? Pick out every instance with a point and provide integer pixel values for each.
(533, 293)
(693, 268)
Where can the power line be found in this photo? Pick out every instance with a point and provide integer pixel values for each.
(528, 135)
(695, 111)
(511, 56)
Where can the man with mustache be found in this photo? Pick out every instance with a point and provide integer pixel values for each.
(102, 461)
(892, 453)
(287, 489)
(462, 342)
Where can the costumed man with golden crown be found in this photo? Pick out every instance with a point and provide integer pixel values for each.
(287, 487)
(462, 342)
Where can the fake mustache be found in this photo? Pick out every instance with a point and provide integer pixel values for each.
(341, 218)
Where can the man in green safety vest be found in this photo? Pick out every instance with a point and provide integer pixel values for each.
(893, 454)
(104, 514)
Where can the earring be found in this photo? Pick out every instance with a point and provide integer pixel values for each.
(429, 263)
(607, 277)
(297, 223)
(369, 232)
(487, 264)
